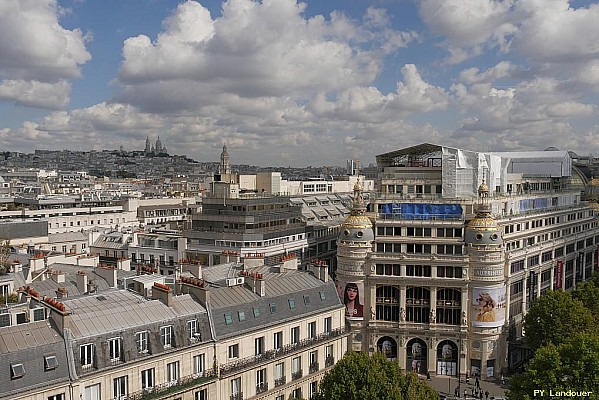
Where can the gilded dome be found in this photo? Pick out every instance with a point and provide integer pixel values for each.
(482, 223)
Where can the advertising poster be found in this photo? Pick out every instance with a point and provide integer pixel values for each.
(559, 270)
(488, 306)
(388, 347)
(352, 295)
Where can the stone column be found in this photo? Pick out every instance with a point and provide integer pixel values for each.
(524, 297)
(552, 285)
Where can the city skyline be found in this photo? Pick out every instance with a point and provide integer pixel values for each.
(288, 83)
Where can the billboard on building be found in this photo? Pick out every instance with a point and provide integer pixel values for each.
(352, 295)
(559, 270)
(488, 306)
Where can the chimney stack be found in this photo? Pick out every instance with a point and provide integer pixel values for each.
(82, 282)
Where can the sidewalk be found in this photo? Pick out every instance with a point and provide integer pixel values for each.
(446, 385)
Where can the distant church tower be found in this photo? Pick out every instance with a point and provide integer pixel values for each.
(148, 145)
(159, 148)
(225, 164)
(354, 246)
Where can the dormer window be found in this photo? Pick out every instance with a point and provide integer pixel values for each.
(50, 362)
(17, 371)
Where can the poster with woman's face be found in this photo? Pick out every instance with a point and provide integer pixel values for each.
(488, 306)
(353, 297)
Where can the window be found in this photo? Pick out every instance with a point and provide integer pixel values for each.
(291, 303)
(199, 364)
(147, 379)
(39, 314)
(241, 315)
(279, 371)
(192, 328)
(261, 380)
(295, 335)
(296, 365)
(449, 306)
(50, 363)
(141, 338)
(418, 270)
(387, 303)
(307, 300)
(201, 395)
(388, 269)
(59, 396)
(256, 312)
(172, 372)
(234, 351)
(313, 389)
(86, 355)
(236, 387)
(449, 272)
(228, 319)
(278, 340)
(323, 296)
(114, 349)
(273, 308)
(17, 371)
(4, 320)
(259, 345)
(312, 330)
(328, 324)
(166, 336)
(417, 304)
(119, 388)
(92, 392)
(517, 266)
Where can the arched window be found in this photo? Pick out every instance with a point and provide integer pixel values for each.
(449, 306)
(387, 303)
(418, 304)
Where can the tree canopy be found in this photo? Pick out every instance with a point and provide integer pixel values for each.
(554, 318)
(359, 376)
(573, 365)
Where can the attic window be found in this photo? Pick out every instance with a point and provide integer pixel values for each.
(50, 362)
(241, 315)
(256, 312)
(228, 319)
(291, 303)
(273, 307)
(323, 296)
(17, 371)
(306, 300)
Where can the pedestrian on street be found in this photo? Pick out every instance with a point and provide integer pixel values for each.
(456, 392)
(487, 395)
(465, 393)
(477, 383)
(502, 380)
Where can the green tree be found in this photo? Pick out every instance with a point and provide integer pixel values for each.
(556, 317)
(573, 365)
(359, 376)
(4, 254)
(588, 293)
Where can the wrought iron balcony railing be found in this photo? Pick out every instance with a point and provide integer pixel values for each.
(235, 366)
(297, 374)
(313, 367)
(261, 387)
(329, 361)
(237, 396)
(280, 381)
(160, 391)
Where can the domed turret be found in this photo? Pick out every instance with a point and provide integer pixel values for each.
(357, 226)
(483, 229)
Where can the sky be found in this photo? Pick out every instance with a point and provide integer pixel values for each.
(288, 83)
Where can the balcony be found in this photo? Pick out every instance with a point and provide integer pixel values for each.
(329, 361)
(313, 367)
(249, 362)
(297, 374)
(280, 381)
(261, 387)
(236, 396)
(169, 388)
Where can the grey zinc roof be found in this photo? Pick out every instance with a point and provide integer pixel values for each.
(26, 336)
(118, 310)
(28, 344)
(48, 287)
(280, 288)
(66, 237)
